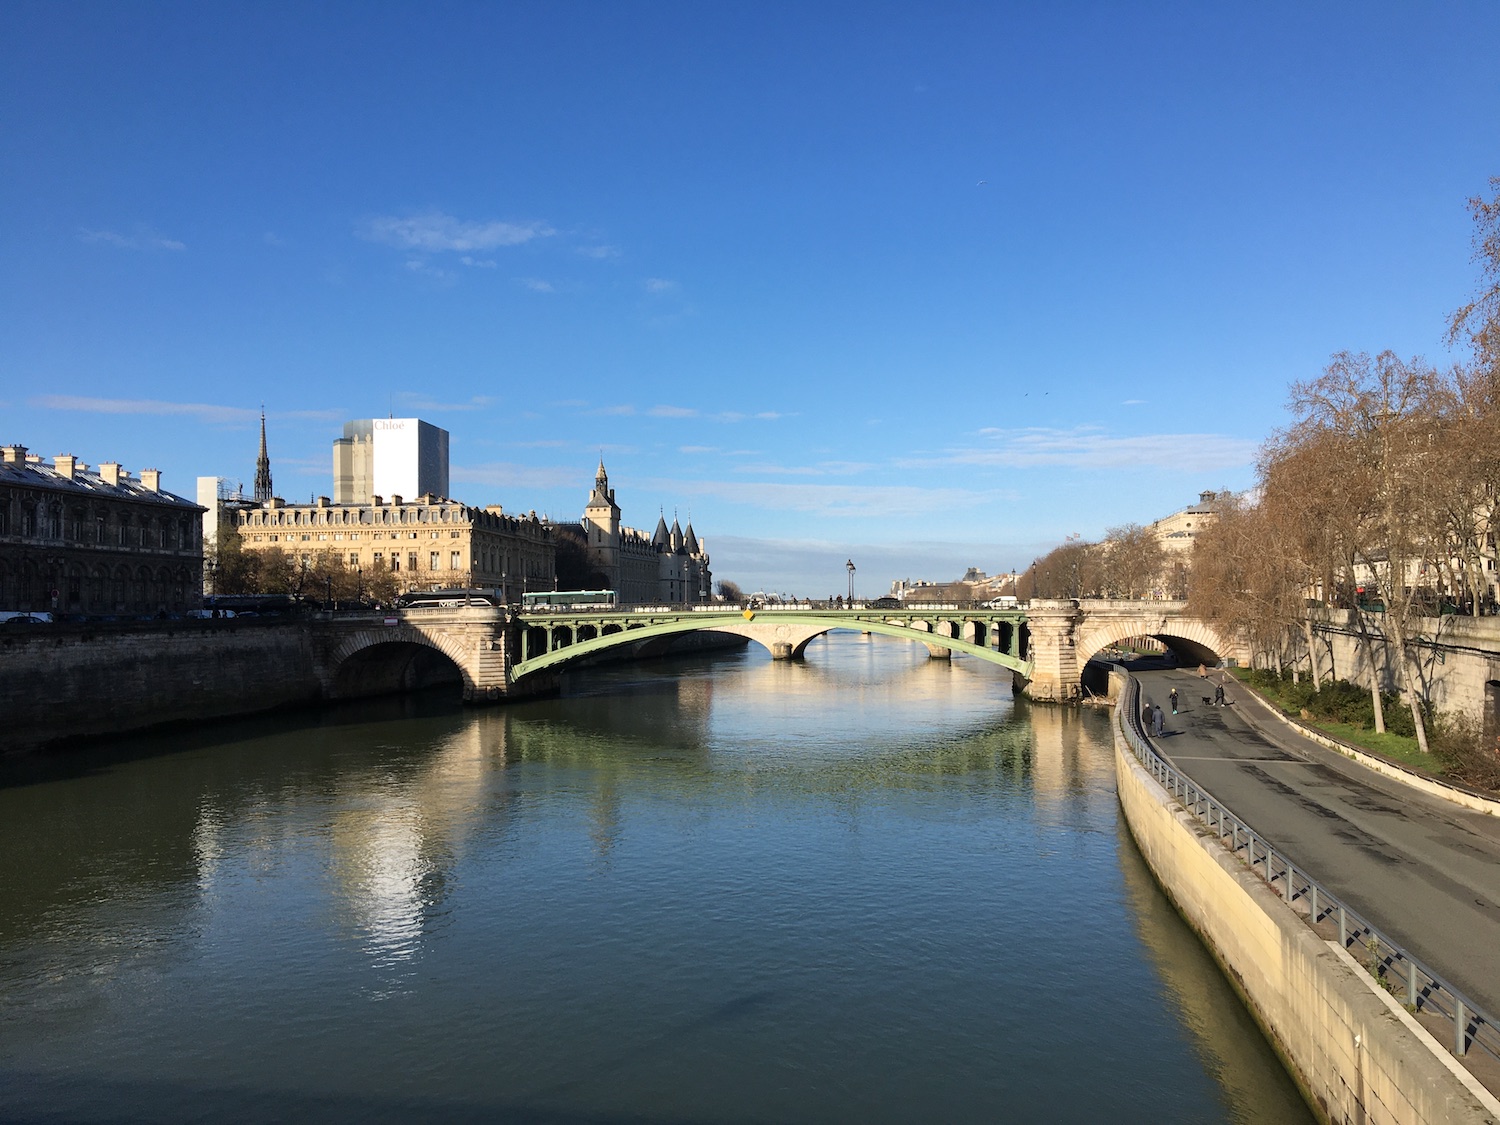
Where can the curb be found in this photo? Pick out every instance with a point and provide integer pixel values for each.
(1431, 786)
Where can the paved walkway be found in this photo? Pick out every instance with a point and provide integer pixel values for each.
(1424, 871)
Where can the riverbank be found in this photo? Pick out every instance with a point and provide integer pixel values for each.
(1357, 1054)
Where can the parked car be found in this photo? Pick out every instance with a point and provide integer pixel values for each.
(29, 619)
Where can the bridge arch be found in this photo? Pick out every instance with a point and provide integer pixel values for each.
(1195, 641)
(390, 660)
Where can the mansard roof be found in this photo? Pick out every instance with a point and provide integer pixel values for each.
(32, 472)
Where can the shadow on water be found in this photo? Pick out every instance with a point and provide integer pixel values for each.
(1253, 1083)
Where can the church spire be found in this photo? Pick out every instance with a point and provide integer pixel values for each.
(262, 465)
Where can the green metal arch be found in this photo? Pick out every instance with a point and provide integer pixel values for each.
(692, 622)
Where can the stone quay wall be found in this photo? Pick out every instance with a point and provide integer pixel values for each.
(66, 682)
(1356, 1053)
(1458, 658)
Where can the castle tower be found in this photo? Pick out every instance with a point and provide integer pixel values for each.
(262, 466)
(601, 524)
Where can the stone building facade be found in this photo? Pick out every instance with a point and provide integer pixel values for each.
(428, 544)
(670, 566)
(94, 541)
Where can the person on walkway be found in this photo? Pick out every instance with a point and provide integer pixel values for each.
(1158, 722)
(1146, 721)
(1218, 695)
(1173, 698)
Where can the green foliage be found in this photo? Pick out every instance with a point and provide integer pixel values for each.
(1337, 701)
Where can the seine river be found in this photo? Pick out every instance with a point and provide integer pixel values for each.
(870, 887)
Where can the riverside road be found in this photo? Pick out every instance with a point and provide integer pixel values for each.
(1425, 871)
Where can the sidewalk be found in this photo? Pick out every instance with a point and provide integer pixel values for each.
(1424, 870)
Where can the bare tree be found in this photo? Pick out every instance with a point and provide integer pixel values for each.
(1369, 412)
(1131, 561)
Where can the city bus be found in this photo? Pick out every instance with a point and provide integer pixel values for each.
(568, 599)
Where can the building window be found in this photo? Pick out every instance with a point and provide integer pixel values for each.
(411, 561)
(395, 561)
(432, 560)
(453, 563)
(379, 559)
(353, 558)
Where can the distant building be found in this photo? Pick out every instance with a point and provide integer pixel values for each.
(427, 543)
(671, 565)
(1176, 532)
(99, 541)
(390, 457)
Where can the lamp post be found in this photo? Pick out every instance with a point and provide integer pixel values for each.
(849, 566)
(359, 583)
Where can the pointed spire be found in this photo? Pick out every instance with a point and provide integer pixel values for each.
(690, 541)
(262, 465)
(662, 539)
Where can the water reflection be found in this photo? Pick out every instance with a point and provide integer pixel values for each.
(870, 886)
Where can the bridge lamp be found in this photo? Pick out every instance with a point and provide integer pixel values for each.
(849, 566)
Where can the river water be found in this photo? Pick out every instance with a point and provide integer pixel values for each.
(869, 887)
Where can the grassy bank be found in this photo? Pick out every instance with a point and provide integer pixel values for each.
(1345, 713)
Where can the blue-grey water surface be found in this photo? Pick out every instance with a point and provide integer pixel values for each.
(870, 887)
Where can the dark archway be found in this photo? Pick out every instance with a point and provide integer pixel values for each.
(392, 668)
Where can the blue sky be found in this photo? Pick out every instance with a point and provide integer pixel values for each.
(922, 286)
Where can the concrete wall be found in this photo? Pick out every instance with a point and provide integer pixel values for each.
(1356, 1053)
(65, 682)
(1456, 657)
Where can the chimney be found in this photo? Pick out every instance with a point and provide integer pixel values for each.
(14, 454)
(323, 501)
(396, 500)
(151, 478)
(109, 473)
(64, 464)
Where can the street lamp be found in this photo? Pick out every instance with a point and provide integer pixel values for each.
(849, 566)
(359, 583)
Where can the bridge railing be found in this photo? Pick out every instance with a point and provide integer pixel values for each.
(1394, 969)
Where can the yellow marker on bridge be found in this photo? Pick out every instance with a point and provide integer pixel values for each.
(748, 615)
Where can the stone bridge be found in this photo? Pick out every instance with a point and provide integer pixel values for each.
(501, 653)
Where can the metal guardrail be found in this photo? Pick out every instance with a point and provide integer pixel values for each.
(1393, 968)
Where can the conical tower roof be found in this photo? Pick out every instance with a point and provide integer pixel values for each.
(690, 541)
(661, 537)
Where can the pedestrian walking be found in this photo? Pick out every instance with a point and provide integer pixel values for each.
(1158, 722)
(1218, 695)
(1146, 722)
(1173, 698)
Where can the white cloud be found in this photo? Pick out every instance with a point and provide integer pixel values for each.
(1134, 402)
(537, 285)
(697, 449)
(423, 267)
(834, 500)
(621, 411)
(672, 412)
(478, 263)
(658, 285)
(502, 474)
(821, 469)
(434, 232)
(599, 253)
(1087, 447)
(143, 239)
(208, 413)
(413, 401)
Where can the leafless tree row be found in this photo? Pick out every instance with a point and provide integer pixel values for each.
(1129, 563)
(1381, 496)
